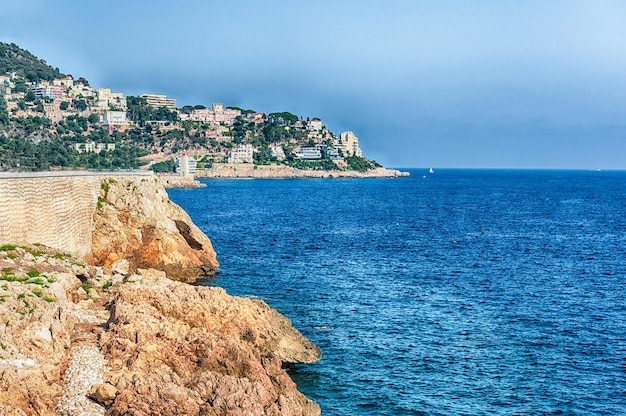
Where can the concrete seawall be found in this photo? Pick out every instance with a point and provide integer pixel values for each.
(52, 208)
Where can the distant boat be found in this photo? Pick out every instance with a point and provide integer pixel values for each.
(431, 170)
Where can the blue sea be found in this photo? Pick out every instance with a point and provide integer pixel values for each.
(463, 292)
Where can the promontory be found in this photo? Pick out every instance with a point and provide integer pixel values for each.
(98, 316)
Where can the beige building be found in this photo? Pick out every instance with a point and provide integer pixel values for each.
(349, 144)
(79, 89)
(107, 99)
(67, 82)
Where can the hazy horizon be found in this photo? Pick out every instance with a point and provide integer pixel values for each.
(449, 85)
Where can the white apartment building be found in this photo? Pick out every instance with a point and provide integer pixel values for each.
(93, 147)
(158, 101)
(186, 165)
(114, 118)
(51, 91)
(314, 126)
(309, 153)
(243, 153)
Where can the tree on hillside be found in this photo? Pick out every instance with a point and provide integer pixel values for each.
(30, 96)
(93, 118)
(20, 85)
(79, 104)
(240, 109)
(4, 114)
(284, 116)
(138, 109)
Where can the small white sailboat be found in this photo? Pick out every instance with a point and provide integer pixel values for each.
(431, 170)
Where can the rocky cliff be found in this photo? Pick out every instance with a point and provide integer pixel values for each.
(76, 340)
(101, 327)
(111, 220)
(135, 225)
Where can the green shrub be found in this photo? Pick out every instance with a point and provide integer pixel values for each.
(33, 273)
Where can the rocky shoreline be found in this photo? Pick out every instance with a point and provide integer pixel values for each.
(120, 332)
(243, 170)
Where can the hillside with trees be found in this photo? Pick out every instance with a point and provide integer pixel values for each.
(50, 121)
(14, 59)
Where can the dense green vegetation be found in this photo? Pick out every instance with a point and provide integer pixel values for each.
(23, 63)
(4, 114)
(141, 112)
(360, 164)
(167, 166)
(45, 155)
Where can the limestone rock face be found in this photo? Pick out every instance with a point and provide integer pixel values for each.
(38, 296)
(180, 349)
(135, 221)
(75, 341)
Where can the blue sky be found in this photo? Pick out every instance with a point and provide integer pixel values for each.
(486, 84)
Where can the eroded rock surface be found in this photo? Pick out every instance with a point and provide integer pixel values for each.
(76, 340)
(175, 348)
(135, 221)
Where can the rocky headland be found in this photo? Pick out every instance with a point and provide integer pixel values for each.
(246, 170)
(119, 331)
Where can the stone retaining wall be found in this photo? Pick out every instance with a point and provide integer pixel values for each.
(55, 209)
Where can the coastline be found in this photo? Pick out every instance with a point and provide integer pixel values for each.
(244, 170)
(93, 330)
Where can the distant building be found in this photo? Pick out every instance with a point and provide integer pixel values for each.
(309, 153)
(80, 89)
(116, 118)
(50, 91)
(107, 99)
(52, 111)
(93, 147)
(255, 117)
(67, 82)
(349, 144)
(243, 153)
(186, 165)
(277, 151)
(158, 101)
(215, 114)
(314, 126)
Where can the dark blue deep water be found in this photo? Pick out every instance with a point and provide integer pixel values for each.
(462, 292)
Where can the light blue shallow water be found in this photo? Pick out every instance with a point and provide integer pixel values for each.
(462, 292)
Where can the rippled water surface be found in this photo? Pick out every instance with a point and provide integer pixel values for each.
(460, 292)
